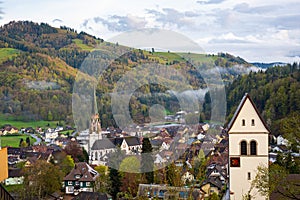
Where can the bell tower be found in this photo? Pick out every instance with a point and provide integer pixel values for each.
(95, 126)
(248, 148)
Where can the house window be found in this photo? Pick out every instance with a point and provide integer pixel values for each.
(70, 183)
(96, 155)
(253, 148)
(243, 122)
(252, 122)
(77, 176)
(249, 176)
(243, 148)
(88, 184)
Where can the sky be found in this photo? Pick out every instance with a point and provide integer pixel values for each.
(256, 30)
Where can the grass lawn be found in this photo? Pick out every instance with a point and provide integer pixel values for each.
(79, 43)
(67, 131)
(13, 141)
(24, 124)
(202, 58)
(6, 53)
(13, 188)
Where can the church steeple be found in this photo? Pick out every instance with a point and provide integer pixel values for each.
(248, 148)
(94, 102)
(95, 125)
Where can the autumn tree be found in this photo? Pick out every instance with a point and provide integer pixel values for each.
(40, 179)
(131, 176)
(173, 175)
(23, 144)
(67, 164)
(274, 180)
(199, 166)
(102, 181)
(73, 149)
(63, 161)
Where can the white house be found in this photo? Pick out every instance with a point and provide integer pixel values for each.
(187, 176)
(282, 141)
(50, 134)
(15, 177)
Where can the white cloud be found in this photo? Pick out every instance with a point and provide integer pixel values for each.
(264, 30)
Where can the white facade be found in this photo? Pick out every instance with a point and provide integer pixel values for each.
(282, 141)
(14, 180)
(248, 149)
(51, 135)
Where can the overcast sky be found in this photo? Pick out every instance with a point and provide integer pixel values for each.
(256, 30)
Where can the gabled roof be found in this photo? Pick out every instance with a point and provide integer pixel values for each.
(84, 170)
(215, 181)
(103, 144)
(239, 109)
(132, 141)
(86, 177)
(218, 168)
(15, 173)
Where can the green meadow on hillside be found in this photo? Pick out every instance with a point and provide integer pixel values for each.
(14, 141)
(24, 124)
(7, 53)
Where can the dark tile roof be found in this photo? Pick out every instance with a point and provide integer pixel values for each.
(86, 177)
(103, 144)
(156, 142)
(14, 173)
(207, 146)
(91, 196)
(219, 159)
(32, 159)
(214, 181)
(14, 150)
(84, 170)
(218, 168)
(132, 141)
(224, 142)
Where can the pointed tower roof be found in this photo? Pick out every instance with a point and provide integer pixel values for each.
(247, 111)
(94, 103)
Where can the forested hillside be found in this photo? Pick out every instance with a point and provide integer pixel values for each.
(276, 93)
(39, 63)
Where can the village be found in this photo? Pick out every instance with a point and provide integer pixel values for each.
(203, 147)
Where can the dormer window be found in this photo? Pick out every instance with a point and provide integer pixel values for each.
(243, 122)
(252, 122)
(77, 176)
